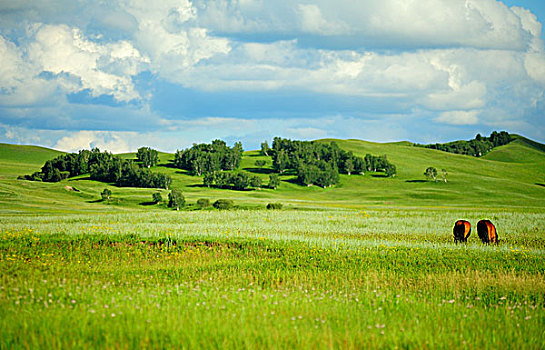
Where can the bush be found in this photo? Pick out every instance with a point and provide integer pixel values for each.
(223, 204)
(203, 202)
(157, 197)
(275, 206)
(176, 199)
(106, 194)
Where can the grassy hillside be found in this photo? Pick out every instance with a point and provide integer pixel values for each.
(510, 176)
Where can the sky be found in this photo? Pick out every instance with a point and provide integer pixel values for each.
(123, 74)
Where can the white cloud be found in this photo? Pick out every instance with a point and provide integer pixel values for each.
(475, 23)
(100, 68)
(313, 21)
(166, 36)
(115, 142)
(442, 56)
(459, 117)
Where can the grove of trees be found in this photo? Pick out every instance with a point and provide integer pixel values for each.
(235, 180)
(101, 166)
(476, 147)
(208, 158)
(317, 163)
(147, 157)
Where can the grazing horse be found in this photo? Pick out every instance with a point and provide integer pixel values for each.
(487, 232)
(461, 231)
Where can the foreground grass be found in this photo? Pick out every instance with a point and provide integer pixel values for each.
(257, 279)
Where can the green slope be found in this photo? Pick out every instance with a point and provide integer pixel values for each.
(510, 176)
(20, 160)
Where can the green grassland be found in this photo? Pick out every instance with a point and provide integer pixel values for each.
(369, 263)
(508, 177)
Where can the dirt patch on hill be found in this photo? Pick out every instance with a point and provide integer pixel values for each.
(70, 188)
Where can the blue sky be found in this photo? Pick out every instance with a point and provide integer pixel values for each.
(168, 73)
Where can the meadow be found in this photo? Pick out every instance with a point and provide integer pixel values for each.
(328, 271)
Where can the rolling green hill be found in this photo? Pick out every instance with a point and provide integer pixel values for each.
(510, 176)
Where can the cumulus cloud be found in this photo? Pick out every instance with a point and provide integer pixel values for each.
(425, 23)
(105, 140)
(459, 117)
(100, 68)
(449, 62)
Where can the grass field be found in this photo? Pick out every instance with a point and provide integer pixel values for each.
(370, 263)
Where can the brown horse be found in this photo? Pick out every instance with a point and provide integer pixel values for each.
(461, 231)
(487, 232)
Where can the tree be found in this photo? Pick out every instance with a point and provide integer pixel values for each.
(431, 173)
(265, 148)
(274, 181)
(240, 181)
(260, 163)
(147, 156)
(444, 175)
(256, 182)
(106, 194)
(157, 197)
(176, 199)
(280, 161)
(349, 166)
(209, 178)
(390, 170)
(222, 179)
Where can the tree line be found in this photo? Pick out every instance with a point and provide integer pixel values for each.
(477, 147)
(209, 158)
(238, 180)
(317, 163)
(106, 167)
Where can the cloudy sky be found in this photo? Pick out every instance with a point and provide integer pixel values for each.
(168, 73)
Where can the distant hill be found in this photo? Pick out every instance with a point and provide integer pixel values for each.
(512, 175)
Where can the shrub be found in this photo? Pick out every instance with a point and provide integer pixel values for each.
(276, 206)
(223, 204)
(157, 197)
(203, 202)
(106, 194)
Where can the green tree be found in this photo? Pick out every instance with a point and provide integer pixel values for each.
(147, 156)
(222, 179)
(280, 161)
(348, 166)
(274, 181)
(106, 194)
(256, 182)
(157, 197)
(209, 178)
(260, 163)
(431, 173)
(265, 148)
(390, 170)
(240, 181)
(444, 175)
(176, 199)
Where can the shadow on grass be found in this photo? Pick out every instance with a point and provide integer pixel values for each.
(379, 175)
(222, 188)
(170, 164)
(80, 178)
(147, 203)
(415, 181)
(96, 201)
(540, 184)
(259, 170)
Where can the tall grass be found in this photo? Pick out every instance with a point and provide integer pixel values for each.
(270, 279)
